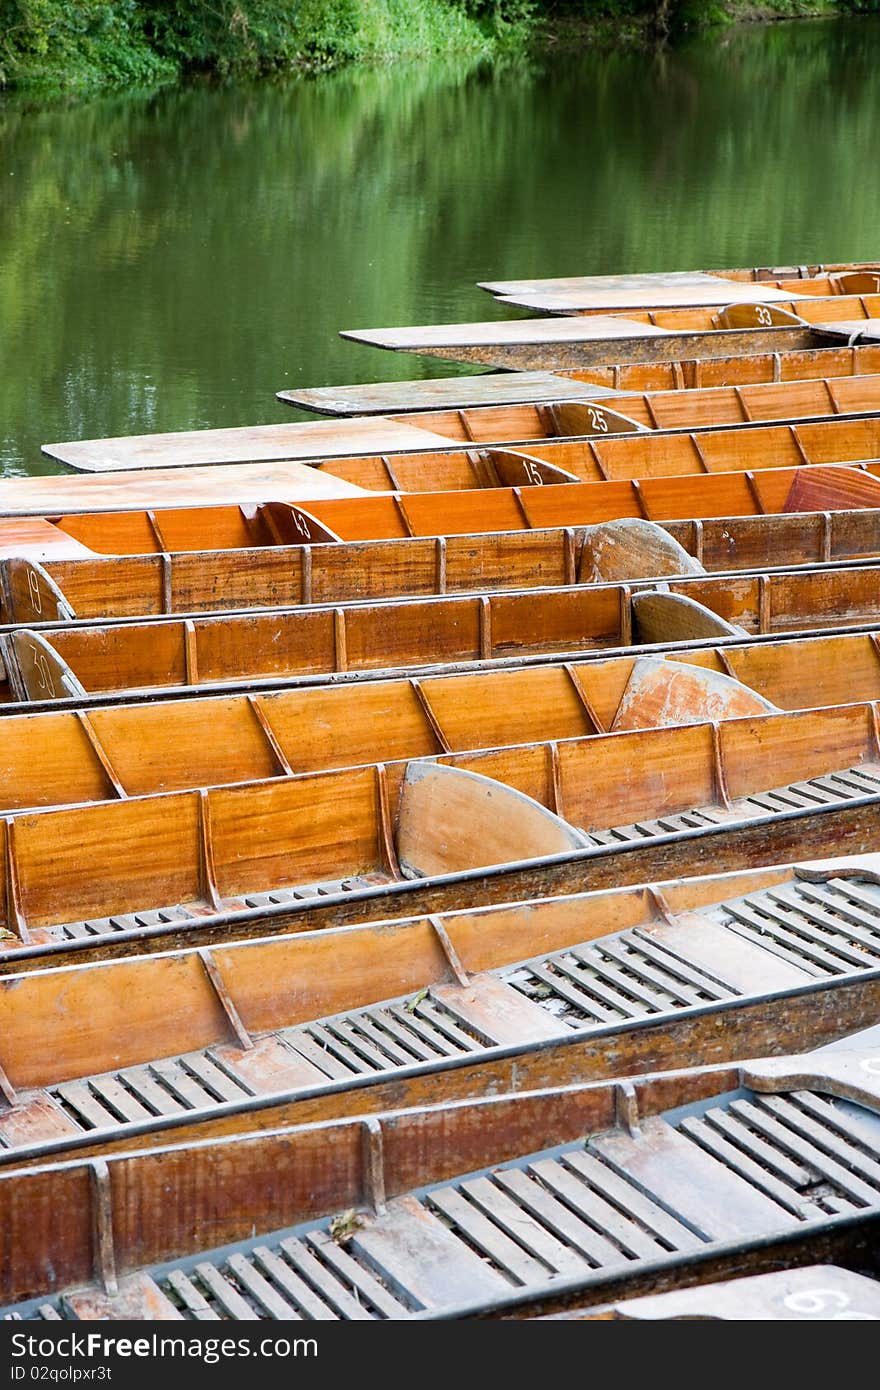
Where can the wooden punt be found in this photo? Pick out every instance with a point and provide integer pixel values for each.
(696, 287)
(263, 1032)
(807, 1293)
(190, 582)
(547, 344)
(599, 338)
(80, 661)
(130, 746)
(442, 430)
(630, 454)
(743, 370)
(667, 497)
(522, 388)
(841, 316)
(653, 410)
(513, 1204)
(554, 815)
(697, 306)
(645, 458)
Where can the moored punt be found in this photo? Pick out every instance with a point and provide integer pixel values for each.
(251, 444)
(630, 454)
(504, 388)
(668, 497)
(857, 309)
(807, 1293)
(580, 341)
(189, 582)
(80, 661)
(743, 370)
(405, 836)
(515, 1203)
(697, 286)
(652, 410)
(597, 338)
(273, 1031)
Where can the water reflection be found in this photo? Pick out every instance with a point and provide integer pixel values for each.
(168, 262)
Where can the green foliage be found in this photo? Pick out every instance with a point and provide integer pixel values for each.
(83, 45)
(77, 44)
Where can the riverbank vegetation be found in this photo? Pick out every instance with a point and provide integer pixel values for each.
(77, 46)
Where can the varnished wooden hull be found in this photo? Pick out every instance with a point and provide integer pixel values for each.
(281, 644)
(651, 410)
(148, 1209)
(501, 388)
(255, 1034)
(198, 581)
(543, 347)
(224, 864)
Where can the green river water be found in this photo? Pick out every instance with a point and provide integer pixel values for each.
(169, 261)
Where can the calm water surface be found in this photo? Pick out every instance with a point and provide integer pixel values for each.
(169, 262)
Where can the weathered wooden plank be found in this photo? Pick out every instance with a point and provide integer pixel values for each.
(812, 1293)
(442, 393)
(508, 1254)
(559, 1218)
(79, 1097)
(716, 1203)
(304, 1296)
(260, 1289)
(114, 1095)
(155, 1097)
(256, 443)
(639, 290)
(191, 1298)
(564, 1179)
(269, 1066)
(726, 955)
(513, 1218)
(629, 1200)
(701, 1131)
(497, 1012)
(38, 1118)
(768, 1155)
(212, 1077)
(417, 1255)
(644, 293)
(324, 1280)
(227, 1296)
(173, 487)
(138, 1298)
(553, 343)
(340, 1261)
(851, 330)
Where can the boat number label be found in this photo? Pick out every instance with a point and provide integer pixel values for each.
(533, 473)
(34, 591)
(301, 524)
(763, 315)
(830, 1304)
(598, 420)
(44, 674)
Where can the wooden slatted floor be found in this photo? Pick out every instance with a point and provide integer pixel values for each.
(775, 938)
(833, 788)
(747, 1166)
